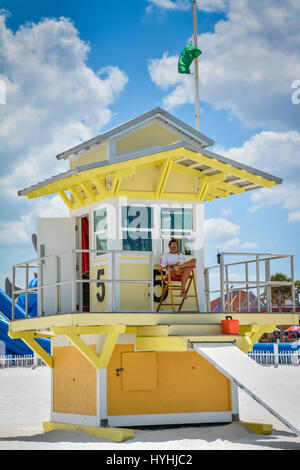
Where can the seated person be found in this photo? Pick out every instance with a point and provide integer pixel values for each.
(178, 264)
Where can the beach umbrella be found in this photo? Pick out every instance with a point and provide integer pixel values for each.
(292, 328)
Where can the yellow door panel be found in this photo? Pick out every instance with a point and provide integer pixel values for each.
(74, 382)
(139, 371)
(186, 383)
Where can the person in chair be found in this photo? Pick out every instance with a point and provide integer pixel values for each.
(179, 266)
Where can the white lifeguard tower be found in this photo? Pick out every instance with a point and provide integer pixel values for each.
(115, 361)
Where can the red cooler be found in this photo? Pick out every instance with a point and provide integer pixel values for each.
(229, 326)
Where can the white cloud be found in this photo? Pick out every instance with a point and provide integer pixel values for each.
(53, 99)
(225, 211)
(219, 229)
(171, 5)
(294, 216)
(224, 234)
(212, 5)
(247, 67)
(53, 102)
(20, 231)
(204, 5)
(276, 153)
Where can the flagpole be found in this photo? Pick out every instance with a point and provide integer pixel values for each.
(196, 73)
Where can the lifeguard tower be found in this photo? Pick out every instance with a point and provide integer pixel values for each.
(116, 362)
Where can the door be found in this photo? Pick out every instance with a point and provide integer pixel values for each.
(84, 265)
(56, 238)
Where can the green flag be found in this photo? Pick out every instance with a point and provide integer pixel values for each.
(188, 54)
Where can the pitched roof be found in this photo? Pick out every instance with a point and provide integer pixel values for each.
(156, 113)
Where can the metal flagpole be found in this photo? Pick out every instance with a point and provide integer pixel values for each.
(197, 105)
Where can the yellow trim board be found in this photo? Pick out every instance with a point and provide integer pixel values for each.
(113, 434)
(149, 319)
(161, 343)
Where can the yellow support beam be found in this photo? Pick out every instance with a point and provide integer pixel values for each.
(185, 170)
(113, 434)
(65, 199)
(87, 190)
(117, 179)
(100, 187)
(29, 338)
(229, 187)
(228, 169)
(162, 181)
(165, 158)
(211, 189)
(73, 335)
(206, 182)
(254, 332)
(216, 178)
(137, 162)
(202, 188)
(76, 195)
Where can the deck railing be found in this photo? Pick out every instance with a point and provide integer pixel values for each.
(75, 278)
(228, 285)
(226, 288)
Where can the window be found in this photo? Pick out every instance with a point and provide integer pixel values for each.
(137, 225)
(100, 229)
(177, 223)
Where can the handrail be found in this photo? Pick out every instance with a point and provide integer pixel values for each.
(267, 284)
(74, 281)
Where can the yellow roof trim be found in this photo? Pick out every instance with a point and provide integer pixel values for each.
(105, 181)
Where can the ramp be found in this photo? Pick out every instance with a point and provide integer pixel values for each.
(261, 383)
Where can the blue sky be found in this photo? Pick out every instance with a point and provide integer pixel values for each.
(74, 69)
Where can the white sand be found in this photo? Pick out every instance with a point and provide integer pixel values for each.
(25, 403)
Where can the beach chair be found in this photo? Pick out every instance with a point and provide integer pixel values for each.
(172, 283)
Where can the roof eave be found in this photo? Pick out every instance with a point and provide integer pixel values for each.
(147, 152)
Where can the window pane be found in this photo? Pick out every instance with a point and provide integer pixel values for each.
(177, 219)
(101, 242)
(137, 241)
(100, 220)
(137, 217)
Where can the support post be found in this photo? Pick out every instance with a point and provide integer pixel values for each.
(196, 72)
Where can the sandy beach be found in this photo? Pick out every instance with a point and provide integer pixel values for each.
(25, 404)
